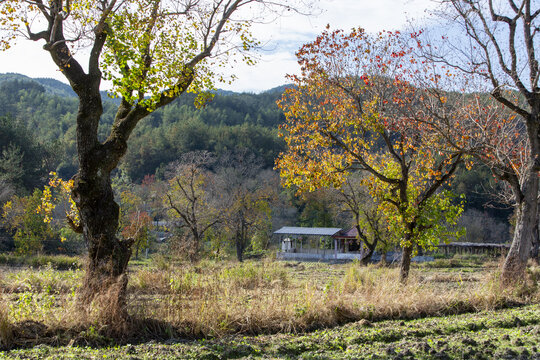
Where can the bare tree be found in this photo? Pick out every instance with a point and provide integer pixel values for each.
(497, 43)
(247, 192)
(190, 196)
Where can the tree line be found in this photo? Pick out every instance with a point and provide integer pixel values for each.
(228, 121)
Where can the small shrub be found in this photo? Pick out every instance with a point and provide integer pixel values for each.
(44, 279)
(533, 273)
(443, 263)
(58, 262)
(11, 259)
(251, 275)
(161, 262)
(149, 281)
(365, 278)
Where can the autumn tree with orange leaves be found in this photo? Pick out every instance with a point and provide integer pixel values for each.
(355, 108)
(496, 137)
(497, 43)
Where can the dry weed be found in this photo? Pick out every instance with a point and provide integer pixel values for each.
(215, 299)
(108, 311)
(250, 298)
(6, 331)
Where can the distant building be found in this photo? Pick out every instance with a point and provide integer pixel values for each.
(318, 244)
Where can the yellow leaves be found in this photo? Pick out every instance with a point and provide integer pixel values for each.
(353, 111)
(148, 51)
(8, 205)
(63, 190)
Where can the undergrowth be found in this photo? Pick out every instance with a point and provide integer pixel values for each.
(58, 262)
(216, 299)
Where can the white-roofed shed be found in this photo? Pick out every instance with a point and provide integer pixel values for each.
(307, 231)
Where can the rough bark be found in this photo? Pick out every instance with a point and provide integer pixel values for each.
(525, 189)
(524, 233)
(405, 264)
(240, 239)
(108, 256)
(536, 244)
(239, 250)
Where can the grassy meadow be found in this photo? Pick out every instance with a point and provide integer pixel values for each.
(273, 309)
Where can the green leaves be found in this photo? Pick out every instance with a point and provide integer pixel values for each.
(153, 50)
(355, 107)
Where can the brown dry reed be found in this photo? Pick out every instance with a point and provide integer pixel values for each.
(217, 299)
(268, 297)
(6, 332)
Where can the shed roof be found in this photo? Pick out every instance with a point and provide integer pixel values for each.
(317, 231)
(352, 233)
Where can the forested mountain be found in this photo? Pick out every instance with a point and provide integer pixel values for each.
(48, 107)
(37, 135)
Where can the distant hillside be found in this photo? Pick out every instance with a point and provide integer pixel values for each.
(42, 112)
(59, 88)
(230, 120)
(51, 86)
(279, 89)
(56, 87)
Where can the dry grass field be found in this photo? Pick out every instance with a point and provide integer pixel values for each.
(224, 300)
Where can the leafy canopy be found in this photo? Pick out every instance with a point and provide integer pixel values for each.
(152, 48)
(355, 107)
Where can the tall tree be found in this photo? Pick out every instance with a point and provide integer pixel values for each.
(190, 197)
(246, 193)
(151, 51)
(354, 108)
(498, 42)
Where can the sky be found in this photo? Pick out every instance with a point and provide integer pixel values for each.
(281, 39)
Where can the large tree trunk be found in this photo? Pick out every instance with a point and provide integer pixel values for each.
(536, 243)
(239, 250)
(108, 256)
(524, 232)
(526, 197)
(405, 263)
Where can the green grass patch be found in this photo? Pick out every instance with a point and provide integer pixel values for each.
(58, 262)
(501, 334)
